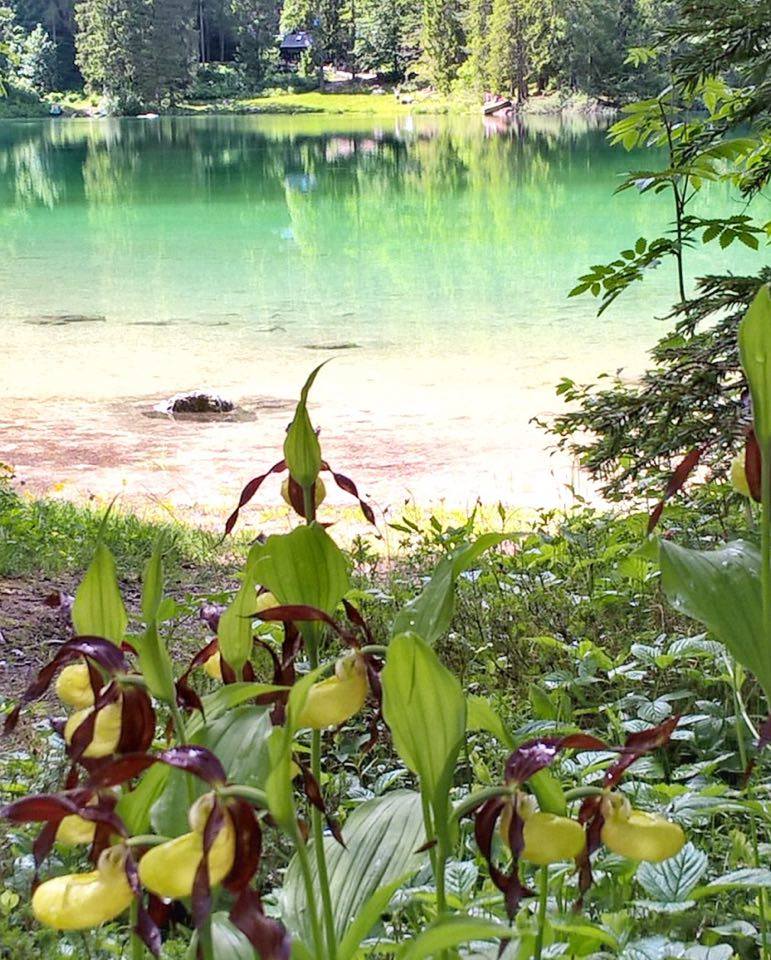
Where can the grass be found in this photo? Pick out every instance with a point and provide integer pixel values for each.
(329, 103)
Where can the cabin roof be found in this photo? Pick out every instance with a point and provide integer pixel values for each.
(299, 40)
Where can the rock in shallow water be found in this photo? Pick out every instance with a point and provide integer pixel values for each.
(197, 401)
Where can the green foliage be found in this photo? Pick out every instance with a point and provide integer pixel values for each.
(713, 129)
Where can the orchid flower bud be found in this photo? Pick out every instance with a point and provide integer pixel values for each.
(169, 869)
(107, 730)
(739, 476)
(638, 835)
(73, 686)
(336, 699)
(548, 838)
(319, 492)
(77, 901)
(213, 665)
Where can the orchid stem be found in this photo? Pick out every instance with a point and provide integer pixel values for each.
(317, 826)
(137, 947)
(310, 893)
(543, 897)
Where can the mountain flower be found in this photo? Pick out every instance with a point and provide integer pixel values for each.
(547, 838)
(169, 870)
(107, 729)
(336, 699)
(637, 834)
(77, 901)
(73, 686)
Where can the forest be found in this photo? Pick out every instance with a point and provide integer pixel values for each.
(152, 53)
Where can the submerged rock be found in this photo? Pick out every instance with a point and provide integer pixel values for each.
(197, 401)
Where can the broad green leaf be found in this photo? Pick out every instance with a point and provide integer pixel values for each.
(424, 707)
(235, 626)
(451, 932)
(747, 878)
(225, 698)
(755, 352)
(430, 613)
(154, 659)
(381, 839)
(240, 740)
(674, 879)
(98, 609)
(134, 807)
(721, 589)
(482, 716)
(228, 941)
(302, 450)
(302, 567)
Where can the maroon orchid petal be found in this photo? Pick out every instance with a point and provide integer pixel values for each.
(312, 791)
(636, 745)
(349, 487)
(531, 757)
(248, 845)
(358, 620)
(187, 698)
(296, 613)
(269, 937)
(45, 807)
(582, 741)
(296, 497)
(210, 613)
(146, 928)
(201, 896)
(752, 464)
(137, 721)
(102, 651)
(509, 884)
(113, 773)
(249, 491)
(42, 845)
(199, 761)
(683, 470)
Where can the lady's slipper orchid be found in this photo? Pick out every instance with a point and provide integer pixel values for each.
(636, 834)
(739, 476)
(74, 830)
(107, 730)
(336, 699)
(77, 901)
(548, 838)
(73, 686)
(213, 665)
(169, 869)
(319, 493)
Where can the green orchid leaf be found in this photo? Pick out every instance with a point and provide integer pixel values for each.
(154, 658)
(302, 567)
(755, 352)
(424, 707)
(235, 626)
(721, 589)
(430, 613)
(134, 806)
(98, 610)
(381, 839)
(302, 451)
(451, 932)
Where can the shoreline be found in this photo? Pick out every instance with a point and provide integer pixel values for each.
(318, 103)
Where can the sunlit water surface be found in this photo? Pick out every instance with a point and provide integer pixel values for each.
(430, 258)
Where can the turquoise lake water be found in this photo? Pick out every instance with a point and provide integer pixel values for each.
(430, 257)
